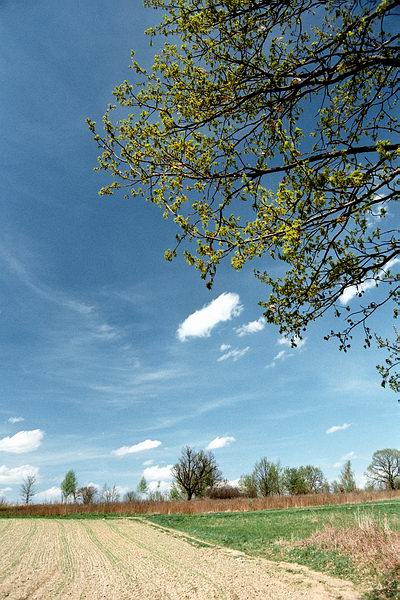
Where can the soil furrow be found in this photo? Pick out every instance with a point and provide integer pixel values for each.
(123, 559)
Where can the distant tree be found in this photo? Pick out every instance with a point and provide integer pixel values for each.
(130, 496)
(157, 495)
(27, 489)
(384, 469)
(69, 486)
(109, 494)
(315, 480)
(195, 472)
(371, 486)
(294, 481)
(248, 485)
(347, 481)
(87, 493)
(142, 487)
(267, 475)
(175, 493)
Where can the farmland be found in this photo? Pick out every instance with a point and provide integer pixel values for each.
(128, 559)
(359, 542)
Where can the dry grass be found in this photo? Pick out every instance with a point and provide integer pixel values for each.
(195, 506)
(374, 549)
(372, 545)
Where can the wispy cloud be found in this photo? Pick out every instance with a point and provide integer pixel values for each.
(220, 442)
(234, 354)
(16, 474)
(294, 343)
(16, 419)
(281, 356)
(157, 375)
(105, 332)
(343, 459)
(251, 327)
(19, 270)
(22, 442)
(136, 448)
(348, 455)
(336, 428)
(202, 322)
(157, 473)
(224, 347)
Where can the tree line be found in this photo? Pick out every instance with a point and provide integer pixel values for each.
(196, 474)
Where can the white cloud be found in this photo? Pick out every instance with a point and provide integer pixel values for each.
(16, 420)
(336, 428)
(234, 482)
(220, 442)
(95, 485)
(353, 290)
(21, 442)
(299, 342)
(284, 354)
(202, 322)
(281, 356)
(377, 211)
(160, 486)
(234, 354)
(157, 473)
(147, 463)
(224, 347)
(140, 447)
(5, 491)
(16, 474)
(53, 493)
(105, 332)
(251, 327)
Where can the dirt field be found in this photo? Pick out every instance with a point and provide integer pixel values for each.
(127, 559)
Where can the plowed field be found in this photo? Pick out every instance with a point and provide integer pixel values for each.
(127, 559)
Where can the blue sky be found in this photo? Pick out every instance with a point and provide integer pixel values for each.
(97, 350)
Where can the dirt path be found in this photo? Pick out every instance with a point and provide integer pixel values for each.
(129, 560)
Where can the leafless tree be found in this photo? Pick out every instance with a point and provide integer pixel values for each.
(27, 489)
(385, 468)
(87, 493)
(109, 494)
(195, 472)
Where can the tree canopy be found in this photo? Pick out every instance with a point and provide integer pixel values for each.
(384, 469)
(268, 129)
(69, 485)
(195, 472)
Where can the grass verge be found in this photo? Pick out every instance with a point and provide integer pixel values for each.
(357, 542)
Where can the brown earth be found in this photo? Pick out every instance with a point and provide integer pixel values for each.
(129, 560)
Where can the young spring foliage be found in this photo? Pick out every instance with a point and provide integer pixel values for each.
(267, 129)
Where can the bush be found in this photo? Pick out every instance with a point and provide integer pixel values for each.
(223, 492)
